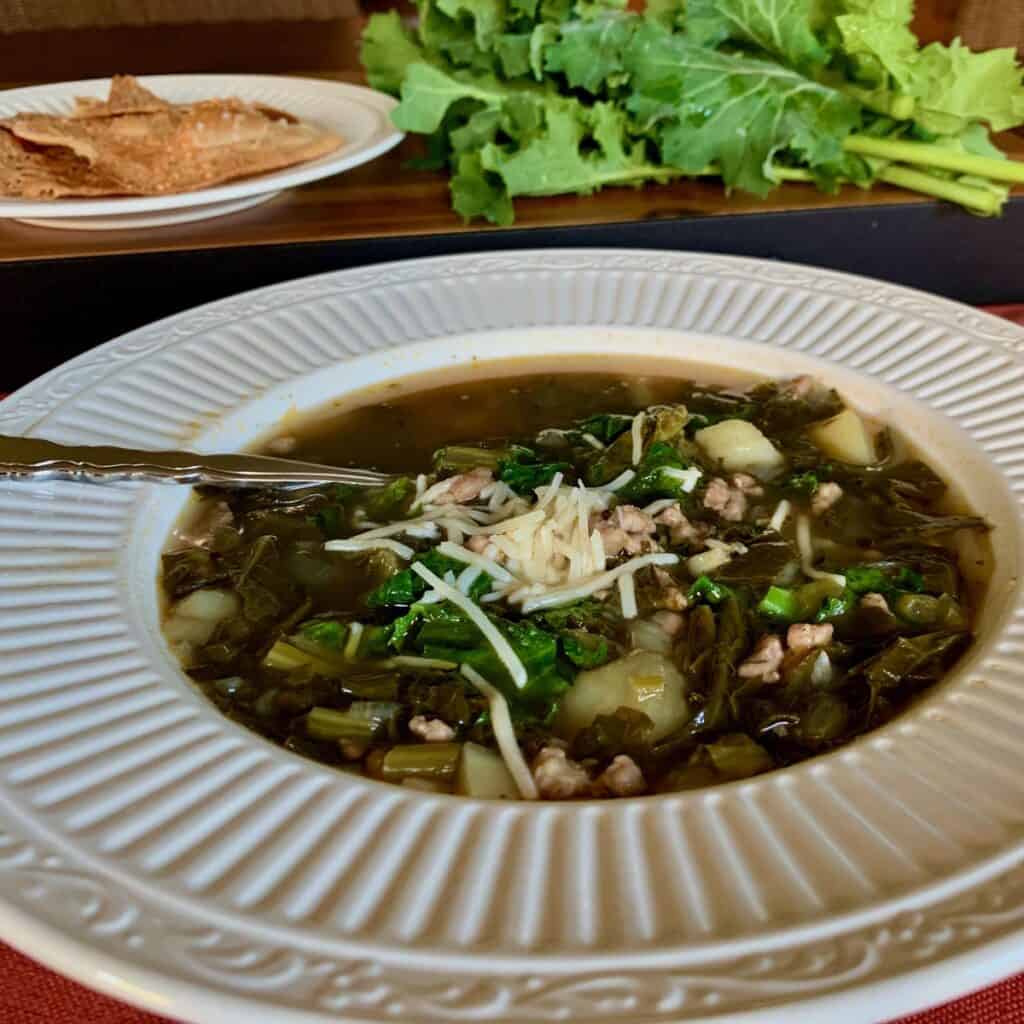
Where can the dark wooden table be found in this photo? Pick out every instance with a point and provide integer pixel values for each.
(65, 291)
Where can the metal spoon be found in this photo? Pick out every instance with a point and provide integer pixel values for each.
(28, 458)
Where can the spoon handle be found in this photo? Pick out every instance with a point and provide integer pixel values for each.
(29, 458)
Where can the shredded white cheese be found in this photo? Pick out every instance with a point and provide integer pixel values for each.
(546, 494)
(501, 494)
(454, 531)
(504, 734)
(531, 550)
(659, 506)
(637, 431)
(566, 595)
(620, 481)
(780, 515)
(627, 596)
(355, 633)
(358, 544)
(426, 531)
(432, 493)
(482, 562)
(805, 545)
(468, 577)
(688, 478)
(492, 635)
(509, 525)
(394, 528)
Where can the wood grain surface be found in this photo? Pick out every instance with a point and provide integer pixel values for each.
(984, 24)
(383, 199)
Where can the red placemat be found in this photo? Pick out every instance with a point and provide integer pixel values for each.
(1014, 313)
(31, 994)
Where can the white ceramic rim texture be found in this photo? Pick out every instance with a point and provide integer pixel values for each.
(156, 851)
(156, 219)
(360, 115)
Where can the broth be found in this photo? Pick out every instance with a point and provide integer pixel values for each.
(747, 574)
(429, 411)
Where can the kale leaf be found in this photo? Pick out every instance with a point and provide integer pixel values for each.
(407, 587)
(524, 471)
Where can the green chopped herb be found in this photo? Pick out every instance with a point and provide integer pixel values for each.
(865, 579)
(589, 614)
(780, 604)
(651, 480)
(606, 427)
(407, 587)
(802, 483)
(835, 607)
(326, 633)
(391, 502)
(524, 471)
(583, 649)
(707, 590)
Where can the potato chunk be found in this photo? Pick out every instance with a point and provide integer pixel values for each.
(643, 680)
(482, 773)
(740, 448)
(194, 618)
(845, 437)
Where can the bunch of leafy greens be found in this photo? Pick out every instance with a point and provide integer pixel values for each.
(544, 97)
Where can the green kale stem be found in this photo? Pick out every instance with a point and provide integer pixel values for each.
(461, 458)
(900, 108)
(598, 179)
(792, 174)
(326, 724)
(919, 181)
(976, 199)
(779, 172)
(930, 155)
(421, 760)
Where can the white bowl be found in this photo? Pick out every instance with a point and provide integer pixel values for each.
(157, 851)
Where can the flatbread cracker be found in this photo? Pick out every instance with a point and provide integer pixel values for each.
(33, 174)
(137, 144)
(126, 97)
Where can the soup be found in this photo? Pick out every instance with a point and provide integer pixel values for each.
(580, 584)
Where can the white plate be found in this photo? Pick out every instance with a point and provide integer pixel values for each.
(154, 850)
(119, 221)
(360, 116)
